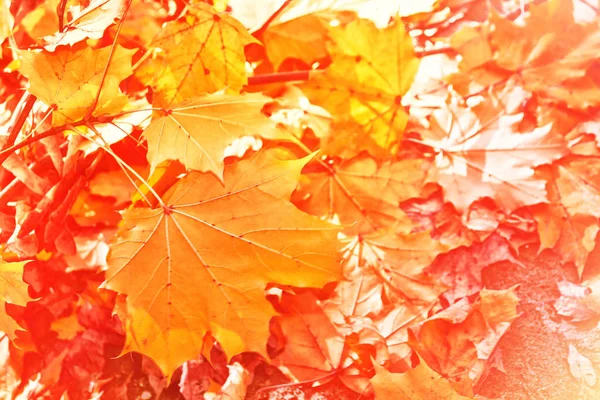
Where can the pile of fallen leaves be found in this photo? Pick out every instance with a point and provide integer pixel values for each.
(287, 199)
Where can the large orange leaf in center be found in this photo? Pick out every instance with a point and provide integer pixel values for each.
(201, 263)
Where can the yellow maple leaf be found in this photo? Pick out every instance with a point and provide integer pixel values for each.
(201, 262)
(371, 70)
(68, 80)
(197, 132)
(14, 291)
(202, 52)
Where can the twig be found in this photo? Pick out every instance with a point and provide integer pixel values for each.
(272, 18)
(590, 5)
(304, 75)
(279, 77)
(21, 118)
(5, 153)
(439, 50)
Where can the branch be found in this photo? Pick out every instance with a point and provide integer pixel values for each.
(21, 118)
(5, 153)
(300, 76)
(590, 5)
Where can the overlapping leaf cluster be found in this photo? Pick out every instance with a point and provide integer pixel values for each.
(238, 200)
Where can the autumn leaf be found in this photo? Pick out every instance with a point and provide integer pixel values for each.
(176, 254)
(486, 158)
(569, 222)
(68, 80)
(300, 199)
(362, 86)
(420, 383)
(361, 192)
(459, 340)
(200, 53)
(292, 35)
(86, 22)
(460, 269)
(198, 131)
(307, 326)
(14, 291)
(398, 262)
(531, 52)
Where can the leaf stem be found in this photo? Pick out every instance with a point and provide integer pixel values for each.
(123, 164)
(110, 56)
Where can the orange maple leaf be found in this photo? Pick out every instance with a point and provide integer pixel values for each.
(201, 261)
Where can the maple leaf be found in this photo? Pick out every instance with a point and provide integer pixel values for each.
(450, 134)
(14, 291)
(486, 158)
(88, 21)
(570, 222)
(68, 80)
(531, 52)
(202, 261)
(420, 383)
(459, 340)
(362, 86)
(306, 326)
(398, 262)
(362, 192)
(460, 269)
(387, 332)
(302, 38)
(202, 52)
(198, 131)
